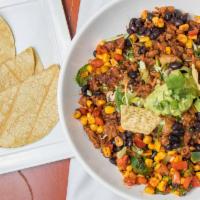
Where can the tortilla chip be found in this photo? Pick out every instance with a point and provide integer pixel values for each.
(15, 71)
(7, 42)
(33, 105)
(195, 76)
(38, 64)
(138, 120)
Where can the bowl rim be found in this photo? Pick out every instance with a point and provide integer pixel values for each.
(86, 166)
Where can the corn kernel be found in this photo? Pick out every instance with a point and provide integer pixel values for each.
(144, 38)
(126, 174)
(162, 185)
(184, 27)
(192, 148)
(120, 129)
(157, 145)
(171, 153)
(197, 19)
(90, 118)
(104, 69)
(151, 146)
(157, 166)
(118, 51)
(118, 141)
(166, 178)
(177, 158)
(100, 102)
(102, 42)
(100, 129)
(144, 14)
(88, 103)
(192, 37)
(109, 109)
(105, 57)
(182, 38)
(168, 50)
(159, 22)
(106, 152)
(89, 68)
(113, 62)
(149, 162)
(158, 175)
(197, 168)
(77, 114)
(129, 168)
(172, 171)
(147, 139)
(153, 182)
(133, 38)
(148, 44)
(147, 153)
(189, 44)
(198, 175)
(107, 64)
(84, 74)
(149, 190)
(98, 71)
(93, 127)
(182, 180)
(83, 120)
(176, 192)
(160, 156)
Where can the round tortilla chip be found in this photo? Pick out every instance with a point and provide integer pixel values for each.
(7, 42)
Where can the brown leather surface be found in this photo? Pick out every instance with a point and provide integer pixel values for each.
(47, 182)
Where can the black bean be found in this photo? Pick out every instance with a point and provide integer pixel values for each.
(141, 30)
(128, 43)
(198, 40)
(113, 160)
(175, 65)
(197, 126)
(129, 31)
(94, 53)
(177, 126)
(142, 50)
(128, 134)
(177, 13)
(150, 16)
(178, 22)
(197, 147)
(147, 31)
(155, 32)
(116, 149)
(184, 18)
(168, 147)
(175, 145)
(178, 133)
(153, 154)
(139, 23)
(129, 142)
(84, 90)
(132, 21)
(133, 74)
(168, 16)
(97, 93)
(197, 114)
(174, 139)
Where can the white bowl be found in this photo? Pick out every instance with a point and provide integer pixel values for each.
(110, 21)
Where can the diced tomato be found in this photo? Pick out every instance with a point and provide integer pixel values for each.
(193, 32)
(83, 111)
(130, 181)
(139, 143)
(118, 57)
(141, 180)
(96, 112)
(99, 121)
(195, 181)
(97, 62)
(187, 182)
(101, 49)
(163, 170)
(181, 165)
(123, 162)
(176, 179)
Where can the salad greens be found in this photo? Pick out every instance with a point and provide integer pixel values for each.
(195, 157)
(82, 76)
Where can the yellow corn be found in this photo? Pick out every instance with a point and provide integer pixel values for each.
(90, 118)
(148, 44)
(149, 190)
(160, 156)
(98, 71)
(182, 180)
(84, 74)
(118, 141)
(107, 64)
(144, 14)
(176, 192)
(166, 178)
(88, 103)
(151, 146)
(182, 38)
(102, 42)
(100, 129)
(162, 185)
(177, 158)
(89, 68)
(129, 168)
(133, 38)
(168, 50)
(100, 102)
(184, 27)
(171, 153)
(147, 153)
(83, 120)
(197, 19)
(189, 44)
(144, 38)
(154, 181)
(157, 166)
(120, 129)
(149, 162)
(159, 22)
(157, 145)
(172, 171)
(104, 69)
(147, 139)
(109, 109)
(158, 176)
(198, 175)
(126, 174)
(77, 114)
(192, 37)
(93, 127)
(113, 62)
(106, 152)
(118, 51)
(197, 168)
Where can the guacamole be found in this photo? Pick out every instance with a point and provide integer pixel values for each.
(175, 96)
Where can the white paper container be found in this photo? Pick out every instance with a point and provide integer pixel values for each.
(42, 25)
